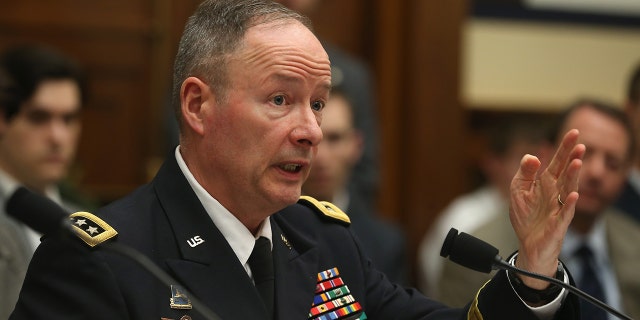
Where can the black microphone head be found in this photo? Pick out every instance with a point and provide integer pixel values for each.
(36, 211)
(469, 251)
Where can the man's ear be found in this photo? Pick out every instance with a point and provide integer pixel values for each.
(195, 98)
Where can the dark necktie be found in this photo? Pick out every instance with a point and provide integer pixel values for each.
(590, 284)
(261, 264)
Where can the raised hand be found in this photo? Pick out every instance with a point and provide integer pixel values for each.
(542, 206)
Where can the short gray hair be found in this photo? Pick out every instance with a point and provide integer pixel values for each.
(213, 33)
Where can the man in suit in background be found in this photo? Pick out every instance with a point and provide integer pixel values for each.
(41, 93)
(610, 235)
(507, 140)
(629, 201)
(338, 153)
(356, 80)
(225, 217)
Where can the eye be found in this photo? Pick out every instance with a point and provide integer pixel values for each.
(317, 105)
(279, 100)
(38, 117)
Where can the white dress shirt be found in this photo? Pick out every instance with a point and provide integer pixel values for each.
(237, 235)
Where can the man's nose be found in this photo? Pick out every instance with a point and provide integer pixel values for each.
(307, 130)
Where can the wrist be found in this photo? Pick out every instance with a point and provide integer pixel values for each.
(549, 269)
(536, 296)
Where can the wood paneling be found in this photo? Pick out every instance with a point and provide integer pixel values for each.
(424, 151)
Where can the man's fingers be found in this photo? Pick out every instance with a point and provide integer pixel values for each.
(568, 180)
(529, 166)
(564, 153)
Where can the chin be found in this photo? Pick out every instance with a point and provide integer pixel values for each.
(289, 198)
(592, 210)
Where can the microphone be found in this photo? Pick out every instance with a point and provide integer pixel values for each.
(471, 252)
(47, 217)
(39, 213)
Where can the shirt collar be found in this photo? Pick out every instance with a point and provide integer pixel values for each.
(237, 235)
(8, 185)
(634, 178)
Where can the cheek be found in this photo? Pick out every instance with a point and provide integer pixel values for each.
(617, 183)
(22, 138)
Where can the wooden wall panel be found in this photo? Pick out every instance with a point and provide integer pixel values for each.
(78, 16)
(427, 160)
(344, 24)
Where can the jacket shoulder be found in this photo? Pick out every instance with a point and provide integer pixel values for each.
(325, 209)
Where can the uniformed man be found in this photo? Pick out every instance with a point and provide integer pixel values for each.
(224, 214)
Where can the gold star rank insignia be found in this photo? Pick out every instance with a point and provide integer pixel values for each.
(91, 229)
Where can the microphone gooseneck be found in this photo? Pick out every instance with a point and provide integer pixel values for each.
(39, 213)
(471, 252)
(47, 217)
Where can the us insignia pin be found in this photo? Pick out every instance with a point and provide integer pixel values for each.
(179, 299)
(333, 300)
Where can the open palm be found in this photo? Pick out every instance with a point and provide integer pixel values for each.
(542, 207)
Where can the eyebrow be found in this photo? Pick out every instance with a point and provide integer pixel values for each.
(291, 79)
(34, 107)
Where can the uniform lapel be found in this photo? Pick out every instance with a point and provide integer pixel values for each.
(207, 265)
(296, 261)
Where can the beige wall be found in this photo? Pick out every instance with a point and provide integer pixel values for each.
(543, 66)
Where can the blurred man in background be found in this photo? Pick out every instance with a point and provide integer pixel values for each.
(629, 200)
(600, 247)
(354, 78)
(41, 92)
(329, 179)
(506, 141)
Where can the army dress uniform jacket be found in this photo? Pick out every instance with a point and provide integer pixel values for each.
(70, 280)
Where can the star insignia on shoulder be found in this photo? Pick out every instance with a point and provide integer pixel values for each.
(91, 229)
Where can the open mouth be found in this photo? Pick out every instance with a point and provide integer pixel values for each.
(291, 167)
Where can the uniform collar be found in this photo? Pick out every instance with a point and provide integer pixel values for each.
(237, 235)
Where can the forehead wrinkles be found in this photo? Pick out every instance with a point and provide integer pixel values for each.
(293, 59)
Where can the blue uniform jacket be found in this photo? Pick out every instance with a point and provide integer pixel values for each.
(69, 280)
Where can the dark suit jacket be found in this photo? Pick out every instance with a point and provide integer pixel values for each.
(68, 280)
(629, 201)
(381, 241)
